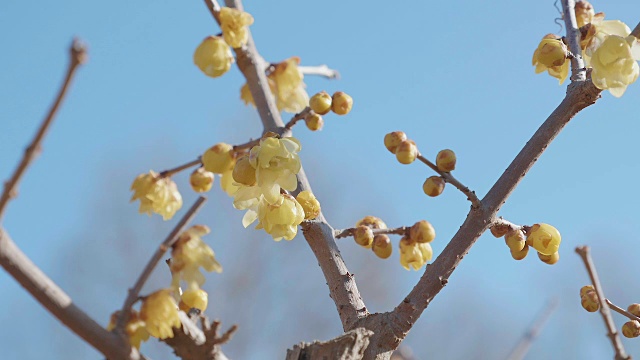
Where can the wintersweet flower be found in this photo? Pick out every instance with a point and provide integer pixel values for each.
(189, 254)
(135, 328)
(281, 219)
(544, 238)
(614, 66)
(276, 162)
(234, 24)
(159, 311)
(550, 56)
(213, 56)
(158, 195)
(414, 254)
(309, 203)
(194, 298)
(584, 13)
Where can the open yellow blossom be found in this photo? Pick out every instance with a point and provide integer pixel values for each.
(189, 254)
(276, 162)
(213, 56)
(280, 220)
(159, 311)
(414, 254)
(227, 184)
(234, 25)
(546, 58)
(614, 66)
(158, 195)
(285, 82)
(135, 328)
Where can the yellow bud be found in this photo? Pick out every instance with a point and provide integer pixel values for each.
(363, 236)
(393, 139)
(314, 122)
(195, 298)
(446, 160)
(201, 180)
(549, 259)
(433, 186)
(499, 230)
(585, 289)
(552, 52)
(634, 309)
(309, 203)
(545, 238)
(243, 172)
(219, 158)
(519, 255)
(631, 329)
(589, 301)
(407, 152)
(320, 103)
(422, 232)
(382, 246)
(515, 240)
(213, 56)
(341, 103)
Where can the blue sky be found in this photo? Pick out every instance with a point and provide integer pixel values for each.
(450, 76)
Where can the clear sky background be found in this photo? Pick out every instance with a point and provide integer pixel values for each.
(451, 75)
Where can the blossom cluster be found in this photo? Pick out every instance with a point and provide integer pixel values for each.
(544, 238)
(591, 302)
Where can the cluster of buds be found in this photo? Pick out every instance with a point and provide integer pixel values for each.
(321, 103)
(607, 47)
(544, 238)
(590, 302)
(213, 56)
(415, 250)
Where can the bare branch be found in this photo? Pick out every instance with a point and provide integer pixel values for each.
(297, 117)
(578, 71)
(349, 346)
(636, 31)
(77, 56)
(321, 70)
(403, 230)
(471, 195)
(612, 333)
(166, 245)
(522, 348)
(621, 311)
(180, 168)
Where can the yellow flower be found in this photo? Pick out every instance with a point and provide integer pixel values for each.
(544, 238)
(194, 298)
(584, 13)
(227, 184)
(281, 219)
(189, 254)
(160, 312)
(548, 56)
(309, 203)
(599, 31)
(614, 67)
(201, 180)
(276, 162)
(219, 158)
(414, 254)
(234, 25)
(135, 328)
(213, 56)
(285, 82)
(158, 195)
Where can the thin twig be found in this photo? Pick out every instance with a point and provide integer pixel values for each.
(77, 56)
(471, 195)
(166, 245)
(612, 332)
(248, 145)
(403, 230)
(182, 167)
(636, 32)
(321, 70)
(522, 348)
(578, 71)
(621, 311)
(297, 117)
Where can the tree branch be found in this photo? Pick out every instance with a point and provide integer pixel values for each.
(578, 71)
(177, 169)
(318, 233)
(621, 311)
(471, 195)
(612, 333)
(77, 56)
(162, 249)
(522, 348)
(320, 70)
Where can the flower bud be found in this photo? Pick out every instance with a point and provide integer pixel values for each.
(382, 246)
(519, 255)
(589, 301)
(194, 298)
(372, 221)
(631, 329)
(499, 230)
(320, 103)
(545, 238)
(552, 52)
(201, 180)
(422, 232)
(219, 158)
(406, 152)
(515, 240)
(341, 103)
(393, 139)
(433, 186)
(363, 236)
(446, 160)
(549, 259)
(213, 56)
(309, 203)
(243, 172)
(314, 122)
(634, 309)
(585, 289)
